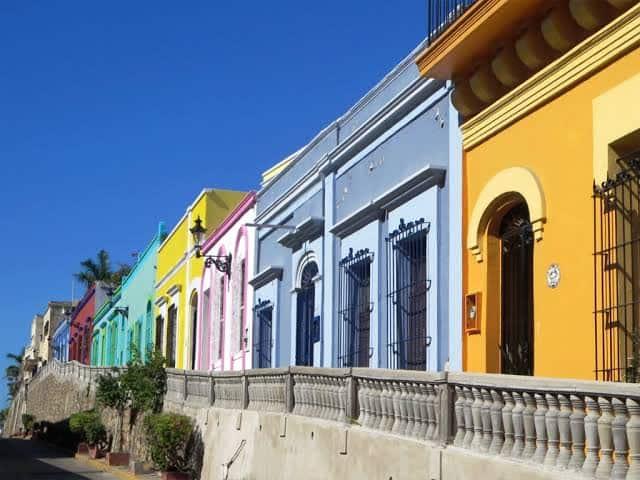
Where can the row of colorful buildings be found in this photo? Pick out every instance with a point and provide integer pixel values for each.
(477, 210)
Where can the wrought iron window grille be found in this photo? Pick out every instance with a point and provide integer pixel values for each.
(408, 286)
(616, 263)
(262, 334)
(354, 315)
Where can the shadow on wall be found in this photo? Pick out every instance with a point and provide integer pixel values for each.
(196, 453)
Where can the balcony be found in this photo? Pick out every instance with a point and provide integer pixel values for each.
(441, 14)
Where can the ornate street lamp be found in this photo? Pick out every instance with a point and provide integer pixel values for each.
(221, 262)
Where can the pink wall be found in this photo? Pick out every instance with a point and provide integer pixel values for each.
(235, 237)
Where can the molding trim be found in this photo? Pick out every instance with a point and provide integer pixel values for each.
(518, 180)
(418, 183)
(309, 229)
(174, 289)
(609, 43)
(265, 276)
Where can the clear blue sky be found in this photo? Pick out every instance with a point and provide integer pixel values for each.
(114, 115)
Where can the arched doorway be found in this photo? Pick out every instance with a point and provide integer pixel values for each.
(304, 315)
(194, 328)
(516, 329)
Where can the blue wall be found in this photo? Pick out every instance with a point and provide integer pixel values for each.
(396, 154)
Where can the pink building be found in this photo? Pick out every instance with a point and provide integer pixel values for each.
(225, 300)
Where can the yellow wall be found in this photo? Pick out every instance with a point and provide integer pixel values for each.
(176, 253)
(555, 142)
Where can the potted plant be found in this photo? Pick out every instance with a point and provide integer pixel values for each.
(95, 434)
(28, 421)
(168, 435)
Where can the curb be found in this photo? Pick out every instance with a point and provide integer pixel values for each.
(102, 466)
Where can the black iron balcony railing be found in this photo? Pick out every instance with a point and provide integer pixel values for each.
(442, 13)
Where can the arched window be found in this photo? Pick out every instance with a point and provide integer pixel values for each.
(305, 314)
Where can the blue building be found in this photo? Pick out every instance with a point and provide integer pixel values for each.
(358, 234)
(60, 340)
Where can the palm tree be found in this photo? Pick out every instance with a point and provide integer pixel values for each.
(94, 271)
(13, 373)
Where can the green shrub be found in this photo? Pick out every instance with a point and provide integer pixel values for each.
(28, 421)
(88, 426)
(146, 381)
(168, 435)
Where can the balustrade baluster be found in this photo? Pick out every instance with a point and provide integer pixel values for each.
(528, 421)
(397, 421)
(507, 424)
(384, 414)
(564, 428)
(411, 418)
(576, 421)
(388, 399)
(591, 432)
(436, 409)
(605, 435)
(468, 417)
(416, 401)
(541, 429)
(342, 400)
(633, 436)
(476, 414)
(361, 389)
(404, 410)
(459, 413)
(424, 411)
(619, 432)
(431, 412)
(518, 426)
(486, 420)
(497, 429)
(553, 431)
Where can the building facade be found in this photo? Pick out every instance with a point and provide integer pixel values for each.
(125, 320)
(32, 350)
(550, 214)
(55, 313)
(359, 232)
(224, 323)
(178, 277)
(81, 322)
(60, 341)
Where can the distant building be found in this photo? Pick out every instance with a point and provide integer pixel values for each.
(52, 317)
(81, 322)
(125, 320)
(31, 356)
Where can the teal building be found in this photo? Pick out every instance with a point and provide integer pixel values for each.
(126, 319)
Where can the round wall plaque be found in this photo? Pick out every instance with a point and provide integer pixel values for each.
(553, 276)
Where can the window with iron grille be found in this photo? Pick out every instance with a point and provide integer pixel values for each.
(262, 334)
(171, 336)
(616, 262)
(221, 322)
(159, 332)
(408, 285)
(354, 315)
(242, 333)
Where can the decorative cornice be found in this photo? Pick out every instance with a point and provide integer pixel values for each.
(160, 301)
(265, 276)
(600, 49)
(462, 27)
(418, 183)
(308, 229)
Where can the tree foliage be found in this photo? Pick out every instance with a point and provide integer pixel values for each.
(13, 373)
(100, 269)
(88, 425)
(146, 381)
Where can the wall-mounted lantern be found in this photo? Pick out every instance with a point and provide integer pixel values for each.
(221, 262)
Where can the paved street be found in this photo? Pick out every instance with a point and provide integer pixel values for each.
(26, 460)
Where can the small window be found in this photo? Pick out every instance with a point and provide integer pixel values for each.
(354, 316)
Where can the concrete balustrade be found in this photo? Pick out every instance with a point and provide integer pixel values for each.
(590, 429)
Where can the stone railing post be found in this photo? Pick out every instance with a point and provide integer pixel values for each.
(212, 393)
(352, 398)
(633, 436)
(185, 393)
(245, 391)
(446, 427)
(618, 429)
(288, 392)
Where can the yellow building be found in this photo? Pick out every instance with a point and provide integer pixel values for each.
(178, 276)
(549, 95)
